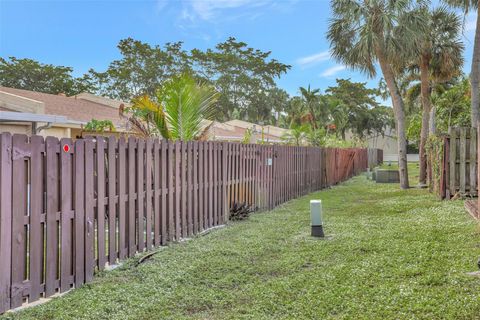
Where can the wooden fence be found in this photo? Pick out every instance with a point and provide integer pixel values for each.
(459, 164)
(70, 208)
(375, 157)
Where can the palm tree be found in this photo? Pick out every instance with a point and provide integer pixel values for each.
(177, 113)
(296, 135)
(468, 5)
(310, 97)
(438, 58)
(364, 32)
(295, 111)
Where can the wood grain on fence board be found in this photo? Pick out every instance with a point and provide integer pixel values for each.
(473, 162)
(79, 213)
(36, 246)
(19, 210)
(51, 145)
(157, 193)
(140, 214)
(112, 195)
(66, 215)
(163, 203)
(122, 199)
(89, 211)
(5, 220)
(100, 188)
(148, 193)
(131, 197)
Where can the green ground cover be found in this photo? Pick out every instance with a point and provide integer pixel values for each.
(393, 255)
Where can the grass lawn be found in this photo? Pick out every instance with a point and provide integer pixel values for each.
(393, 255)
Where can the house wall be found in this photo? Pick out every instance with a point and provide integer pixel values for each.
(16, 128)
(26, 128)
(388, 143)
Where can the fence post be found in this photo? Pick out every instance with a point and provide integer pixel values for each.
(5, 219)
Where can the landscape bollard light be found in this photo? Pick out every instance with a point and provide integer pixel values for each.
(316, 218)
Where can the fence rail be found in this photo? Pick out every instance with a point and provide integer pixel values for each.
(69, 208)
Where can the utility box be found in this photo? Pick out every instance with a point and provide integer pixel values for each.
(387, 176)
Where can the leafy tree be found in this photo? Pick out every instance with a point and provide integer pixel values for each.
(353, 102)
(294, 110)
(141, 70)
(310, 99)
(178, 110)
(453, 107)
(101, 126)
(466, 6)
(364, 32)
(32, 75)
(244, 77)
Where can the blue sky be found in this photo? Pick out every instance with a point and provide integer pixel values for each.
(84, 34)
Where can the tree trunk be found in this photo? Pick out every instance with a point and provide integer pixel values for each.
(475, 72)
(432, 130)
(398, 110)
(426, 104)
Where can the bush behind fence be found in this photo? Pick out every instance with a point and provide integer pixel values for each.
(69, 208)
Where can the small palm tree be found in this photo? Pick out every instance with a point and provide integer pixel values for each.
(177, 113)
(310, 98)
(364, 32)
(296, 135)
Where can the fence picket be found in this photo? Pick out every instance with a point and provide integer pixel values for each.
(89, 212)
(19, 202)
(66, 215)
(100, 225)
(148, 193)
(112, 196)
(36, 247)
(122, 199)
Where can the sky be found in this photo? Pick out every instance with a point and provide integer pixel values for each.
(84, 34)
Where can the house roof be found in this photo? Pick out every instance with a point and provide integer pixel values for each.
(102, 100)
(226, 131)
(241, 124)
(269, 130)
(77, 109)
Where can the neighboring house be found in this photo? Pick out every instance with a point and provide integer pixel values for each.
(387, 142)
(54, 115)
(29, 112)
(236, 130)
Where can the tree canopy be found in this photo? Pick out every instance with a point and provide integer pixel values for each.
(32, 75)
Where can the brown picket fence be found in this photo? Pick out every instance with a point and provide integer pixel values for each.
(71, 208)
(458, 164)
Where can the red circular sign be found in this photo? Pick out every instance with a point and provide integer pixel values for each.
(66, 148)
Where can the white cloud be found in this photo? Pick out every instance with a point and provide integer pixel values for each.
(332, 71)
(160, 5)
(210, 9)
(313, 59)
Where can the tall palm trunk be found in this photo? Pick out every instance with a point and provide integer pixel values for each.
(475, 73)
(398, 110)
(426, 104)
